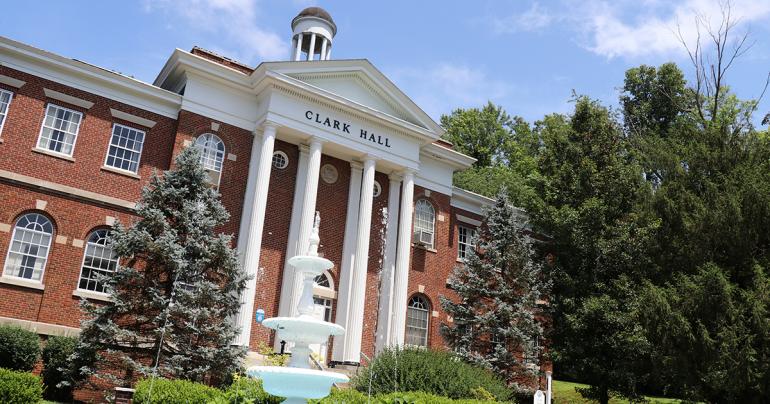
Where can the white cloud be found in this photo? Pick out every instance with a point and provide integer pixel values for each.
(633, 29)
(534, 19)
(236, 20)
(445, 86)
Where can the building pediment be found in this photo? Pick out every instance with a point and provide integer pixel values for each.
(359, 82)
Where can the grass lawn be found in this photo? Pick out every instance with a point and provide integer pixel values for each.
(565, 393)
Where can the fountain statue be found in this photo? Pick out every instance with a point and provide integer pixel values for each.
(298, 381)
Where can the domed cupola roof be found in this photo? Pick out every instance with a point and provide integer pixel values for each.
(317, 12)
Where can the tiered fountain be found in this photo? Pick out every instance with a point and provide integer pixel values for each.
(298, 381)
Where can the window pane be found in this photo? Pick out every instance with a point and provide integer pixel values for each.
(29, 247)
(5, 100)
(99, 261)
(212, 150)
(60, 129)
(125, 148)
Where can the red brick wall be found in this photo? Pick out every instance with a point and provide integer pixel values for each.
(22, 129)
(72, 219)
(274, 239)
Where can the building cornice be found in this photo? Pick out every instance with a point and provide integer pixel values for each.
(89, 78)
(453, 158)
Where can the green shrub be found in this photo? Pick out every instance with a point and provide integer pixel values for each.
(174, 391)
(248, 390)
(56, 355)
(19, 348)
(20, 387)
(436, 372)
(342, 396)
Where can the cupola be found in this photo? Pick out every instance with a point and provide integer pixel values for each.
(312, 32)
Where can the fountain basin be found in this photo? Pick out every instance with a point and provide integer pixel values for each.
(294, 383)
(303, 329)
(310, 264)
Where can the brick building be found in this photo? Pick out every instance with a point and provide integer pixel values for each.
(280, 142)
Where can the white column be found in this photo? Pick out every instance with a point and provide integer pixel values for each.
(284, 305)
(401, 280)
(307, 215)
(323, 48)
(348, 257)
(329, 53)
(298, 49)
(354, 332)
(259, 167)
(311, 49)
(384, 315)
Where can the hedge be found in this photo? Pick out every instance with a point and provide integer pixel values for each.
(435, 372)
(174, 391)
(20, 387)
(19, 348)
(56, 355)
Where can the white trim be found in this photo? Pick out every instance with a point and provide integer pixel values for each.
(41, 328)
(68, 99)
(7, 108)
(75, 135)
(466, 219)
(285, 159)
(89, 78)
(67, 190)
(53, 154)
(23, 282)
(470, 201)
(147, 123)
(90, 294)
(10, 81)
(119, 170)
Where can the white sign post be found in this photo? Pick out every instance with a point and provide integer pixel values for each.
(539, 397)
(548, 390)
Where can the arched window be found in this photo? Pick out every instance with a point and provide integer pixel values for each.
(30, 243)
(98, 261)
(212, 156)
(323, 295)
(417, 316)
(424, 221)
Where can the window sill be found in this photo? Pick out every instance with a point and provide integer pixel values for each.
(53, 154)
(422, 247)
(460, 260)
(25, 283)
(121, 172)
(88, 294)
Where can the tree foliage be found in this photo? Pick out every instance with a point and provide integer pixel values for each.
(174, 291)
(495, 322)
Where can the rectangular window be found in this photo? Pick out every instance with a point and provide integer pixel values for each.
(60, 129)
(5, 101)
(464, 240)
(125, 148)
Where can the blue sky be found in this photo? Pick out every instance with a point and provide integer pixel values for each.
(527, 56)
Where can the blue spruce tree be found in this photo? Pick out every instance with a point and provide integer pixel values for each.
(495, 322)
(173, 294)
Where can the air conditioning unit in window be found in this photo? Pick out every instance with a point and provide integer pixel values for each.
(423, 238)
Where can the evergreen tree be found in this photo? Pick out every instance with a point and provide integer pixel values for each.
(495, 321)
(174, 292)
(588, 190)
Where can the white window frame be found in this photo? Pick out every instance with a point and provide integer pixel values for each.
(462, 246)
(425, 331)
(104, 247)
(118, 146)
(419, 219)
(206, 149)
(43, 127)
(4, 113)
(25, 245)
(282, 155)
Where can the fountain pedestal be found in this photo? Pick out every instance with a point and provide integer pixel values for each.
(298, 382)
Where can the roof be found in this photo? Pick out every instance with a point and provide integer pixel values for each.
(317, 12)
